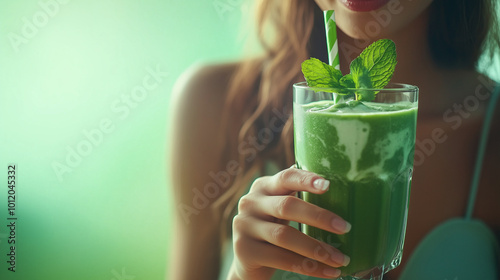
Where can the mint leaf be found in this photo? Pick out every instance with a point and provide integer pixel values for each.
(347, 81)
(320, 74)
(360, 74)
(375, 65)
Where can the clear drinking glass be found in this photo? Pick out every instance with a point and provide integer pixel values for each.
(366, 150)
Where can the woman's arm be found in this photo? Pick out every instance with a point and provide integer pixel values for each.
(261, 237)
(195, 152)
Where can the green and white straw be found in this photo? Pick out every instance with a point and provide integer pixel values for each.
(331, 39)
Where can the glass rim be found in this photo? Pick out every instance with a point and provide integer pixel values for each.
(391, 87)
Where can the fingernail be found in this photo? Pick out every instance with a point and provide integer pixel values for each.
(331, 272)
(341, 225)
(341, 259)
(321, 184)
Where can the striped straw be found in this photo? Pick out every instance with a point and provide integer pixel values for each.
(331, 39)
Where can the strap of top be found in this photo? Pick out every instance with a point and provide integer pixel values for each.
(481, 150)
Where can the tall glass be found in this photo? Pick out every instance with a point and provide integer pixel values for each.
(366, 151)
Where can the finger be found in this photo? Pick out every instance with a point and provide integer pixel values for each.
(291, 208)
(289, 238)
(268, 255)
(290, 181)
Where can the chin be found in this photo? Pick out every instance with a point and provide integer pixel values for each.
(363, 26)
(370, 20)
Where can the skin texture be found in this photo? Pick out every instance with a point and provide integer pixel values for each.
(261, 239)
(354, 24)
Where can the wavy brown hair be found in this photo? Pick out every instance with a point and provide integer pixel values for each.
(261, 88)
(260, 92)
(460, 31)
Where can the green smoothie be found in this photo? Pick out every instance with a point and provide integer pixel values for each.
(366, 151)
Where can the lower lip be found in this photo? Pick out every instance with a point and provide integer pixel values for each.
(364, 5)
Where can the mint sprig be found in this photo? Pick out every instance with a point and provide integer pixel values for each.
(373, 68)
(320, 74)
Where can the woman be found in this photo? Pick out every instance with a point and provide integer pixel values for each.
(224, 114)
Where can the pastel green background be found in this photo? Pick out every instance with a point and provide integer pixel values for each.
(109, 218)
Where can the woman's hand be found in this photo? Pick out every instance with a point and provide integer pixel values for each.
(263, 241)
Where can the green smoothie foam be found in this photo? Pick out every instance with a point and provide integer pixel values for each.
(366, 151)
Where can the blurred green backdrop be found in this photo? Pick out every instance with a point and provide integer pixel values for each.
(84, 103)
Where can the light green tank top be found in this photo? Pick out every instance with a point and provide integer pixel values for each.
(461, 248)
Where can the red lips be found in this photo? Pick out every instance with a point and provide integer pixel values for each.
(364, 5)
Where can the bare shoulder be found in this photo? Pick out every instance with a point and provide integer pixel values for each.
(202, 75)
(195, 148)
(203, 83)
(197, 104)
